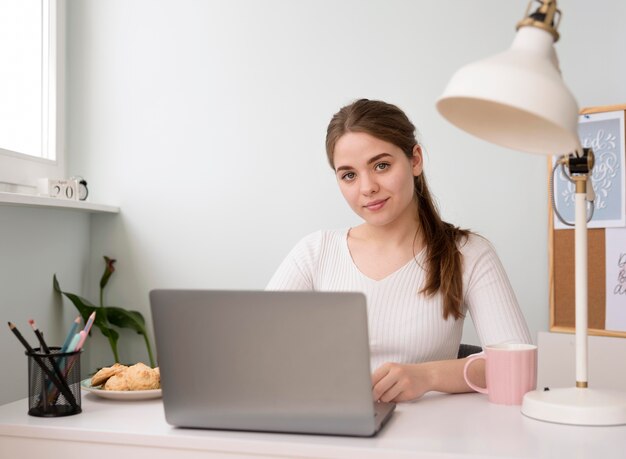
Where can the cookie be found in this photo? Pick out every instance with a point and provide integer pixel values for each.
(117, 382)
(142, 377)
(105, 373)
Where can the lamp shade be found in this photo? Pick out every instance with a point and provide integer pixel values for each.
(516, 99)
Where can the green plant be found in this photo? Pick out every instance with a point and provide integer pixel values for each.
(108, 316)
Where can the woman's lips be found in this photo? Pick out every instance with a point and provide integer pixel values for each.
(375, 205)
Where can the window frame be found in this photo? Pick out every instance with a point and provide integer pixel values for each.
(19, 172)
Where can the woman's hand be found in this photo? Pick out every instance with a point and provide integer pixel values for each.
(396, 382)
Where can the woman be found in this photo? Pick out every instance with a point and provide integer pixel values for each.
(420, 274)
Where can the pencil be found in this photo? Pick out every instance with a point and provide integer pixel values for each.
(70, 334)
(89, 323)
(45, 349)
(17, 333)
(81, 340)
(85, 332)
(44, 346)
(61, 385)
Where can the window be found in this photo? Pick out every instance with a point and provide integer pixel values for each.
(31, 82)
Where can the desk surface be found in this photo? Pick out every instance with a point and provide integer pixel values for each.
(439, 425)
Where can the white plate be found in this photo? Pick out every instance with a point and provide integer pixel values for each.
(120, 394)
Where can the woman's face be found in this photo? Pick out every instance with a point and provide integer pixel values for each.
(376, 177)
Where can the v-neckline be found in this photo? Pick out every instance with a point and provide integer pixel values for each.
(415, 259)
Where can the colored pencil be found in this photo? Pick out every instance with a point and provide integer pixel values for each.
(70, 334)
(85, 332)
(81, 340)
(89, 323)
(73, 343)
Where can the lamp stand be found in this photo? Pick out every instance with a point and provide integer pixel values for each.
(578, 405)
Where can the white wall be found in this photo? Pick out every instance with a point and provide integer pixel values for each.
(205, 122)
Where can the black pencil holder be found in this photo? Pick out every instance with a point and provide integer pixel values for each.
(53, 383)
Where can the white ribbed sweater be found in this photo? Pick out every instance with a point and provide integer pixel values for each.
(404, 325)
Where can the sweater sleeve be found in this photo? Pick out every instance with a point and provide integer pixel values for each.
(298, 270)
(489, 296)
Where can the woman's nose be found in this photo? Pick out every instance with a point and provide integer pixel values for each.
(369, 185)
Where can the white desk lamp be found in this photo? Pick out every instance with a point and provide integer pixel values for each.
(517, 99)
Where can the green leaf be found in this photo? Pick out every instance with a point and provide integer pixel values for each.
(134, 320)
(124, 318)
(55, 284)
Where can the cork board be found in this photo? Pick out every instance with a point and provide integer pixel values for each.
(561, 269)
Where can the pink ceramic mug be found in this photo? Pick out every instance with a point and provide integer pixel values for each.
(510, 371)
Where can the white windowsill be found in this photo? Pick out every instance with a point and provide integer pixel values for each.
(29, 200)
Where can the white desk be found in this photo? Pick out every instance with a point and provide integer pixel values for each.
(441, 426)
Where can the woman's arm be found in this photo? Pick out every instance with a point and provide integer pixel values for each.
(396, 382)
(489, 296)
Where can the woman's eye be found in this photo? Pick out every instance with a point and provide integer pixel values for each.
(348, 176)
(382, 166)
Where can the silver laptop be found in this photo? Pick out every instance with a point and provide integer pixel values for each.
(266, 361)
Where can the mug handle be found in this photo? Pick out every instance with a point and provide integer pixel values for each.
(470, 360)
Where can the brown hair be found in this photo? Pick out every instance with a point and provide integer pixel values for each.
(443, 259)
